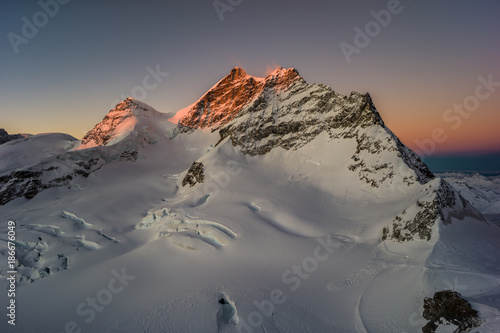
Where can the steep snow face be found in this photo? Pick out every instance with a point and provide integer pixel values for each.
(128, 117)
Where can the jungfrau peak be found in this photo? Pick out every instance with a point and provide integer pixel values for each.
(226, 99)
(286, 112)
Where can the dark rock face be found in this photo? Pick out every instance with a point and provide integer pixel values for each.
(278, 121)
(449, 307)
(6, 137)
(28, 183)
(130, 155)
(194, 175)
(446, 203)
(405, 229)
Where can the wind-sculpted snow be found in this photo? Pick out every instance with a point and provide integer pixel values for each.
(184, 231)
(43, 249)
(20, 154)
(283, 220)
(79, 221)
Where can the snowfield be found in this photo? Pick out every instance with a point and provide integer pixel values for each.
(286, 241)
(480, 190)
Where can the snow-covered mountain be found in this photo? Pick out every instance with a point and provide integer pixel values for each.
(269, 205)
(57, 160)
(130, 120)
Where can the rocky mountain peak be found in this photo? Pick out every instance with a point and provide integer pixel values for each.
(6, 137)
(283, 110)
(237, 73)
(282, 78)
(123, 116)
(223, 102)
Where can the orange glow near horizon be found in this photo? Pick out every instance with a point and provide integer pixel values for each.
(434, 136)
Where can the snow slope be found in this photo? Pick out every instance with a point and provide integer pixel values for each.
(28, 151)
(300, 212)
(482, 191)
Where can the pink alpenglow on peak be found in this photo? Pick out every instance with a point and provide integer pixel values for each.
(283, 77)
(119, 123)
(229, 96)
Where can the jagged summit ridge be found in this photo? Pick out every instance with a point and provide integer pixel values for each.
(281, 78)
(226, 99)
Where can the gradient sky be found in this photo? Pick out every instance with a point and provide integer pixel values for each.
(91, 53)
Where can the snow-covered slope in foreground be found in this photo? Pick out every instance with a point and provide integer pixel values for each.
(301, 212)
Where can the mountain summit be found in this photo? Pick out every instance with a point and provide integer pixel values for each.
(128, 117)
(225, 100)
(283, 111)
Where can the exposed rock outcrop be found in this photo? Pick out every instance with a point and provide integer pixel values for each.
(448, 307)
(6, 137)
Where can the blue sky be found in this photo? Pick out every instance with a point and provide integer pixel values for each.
(92, 53)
